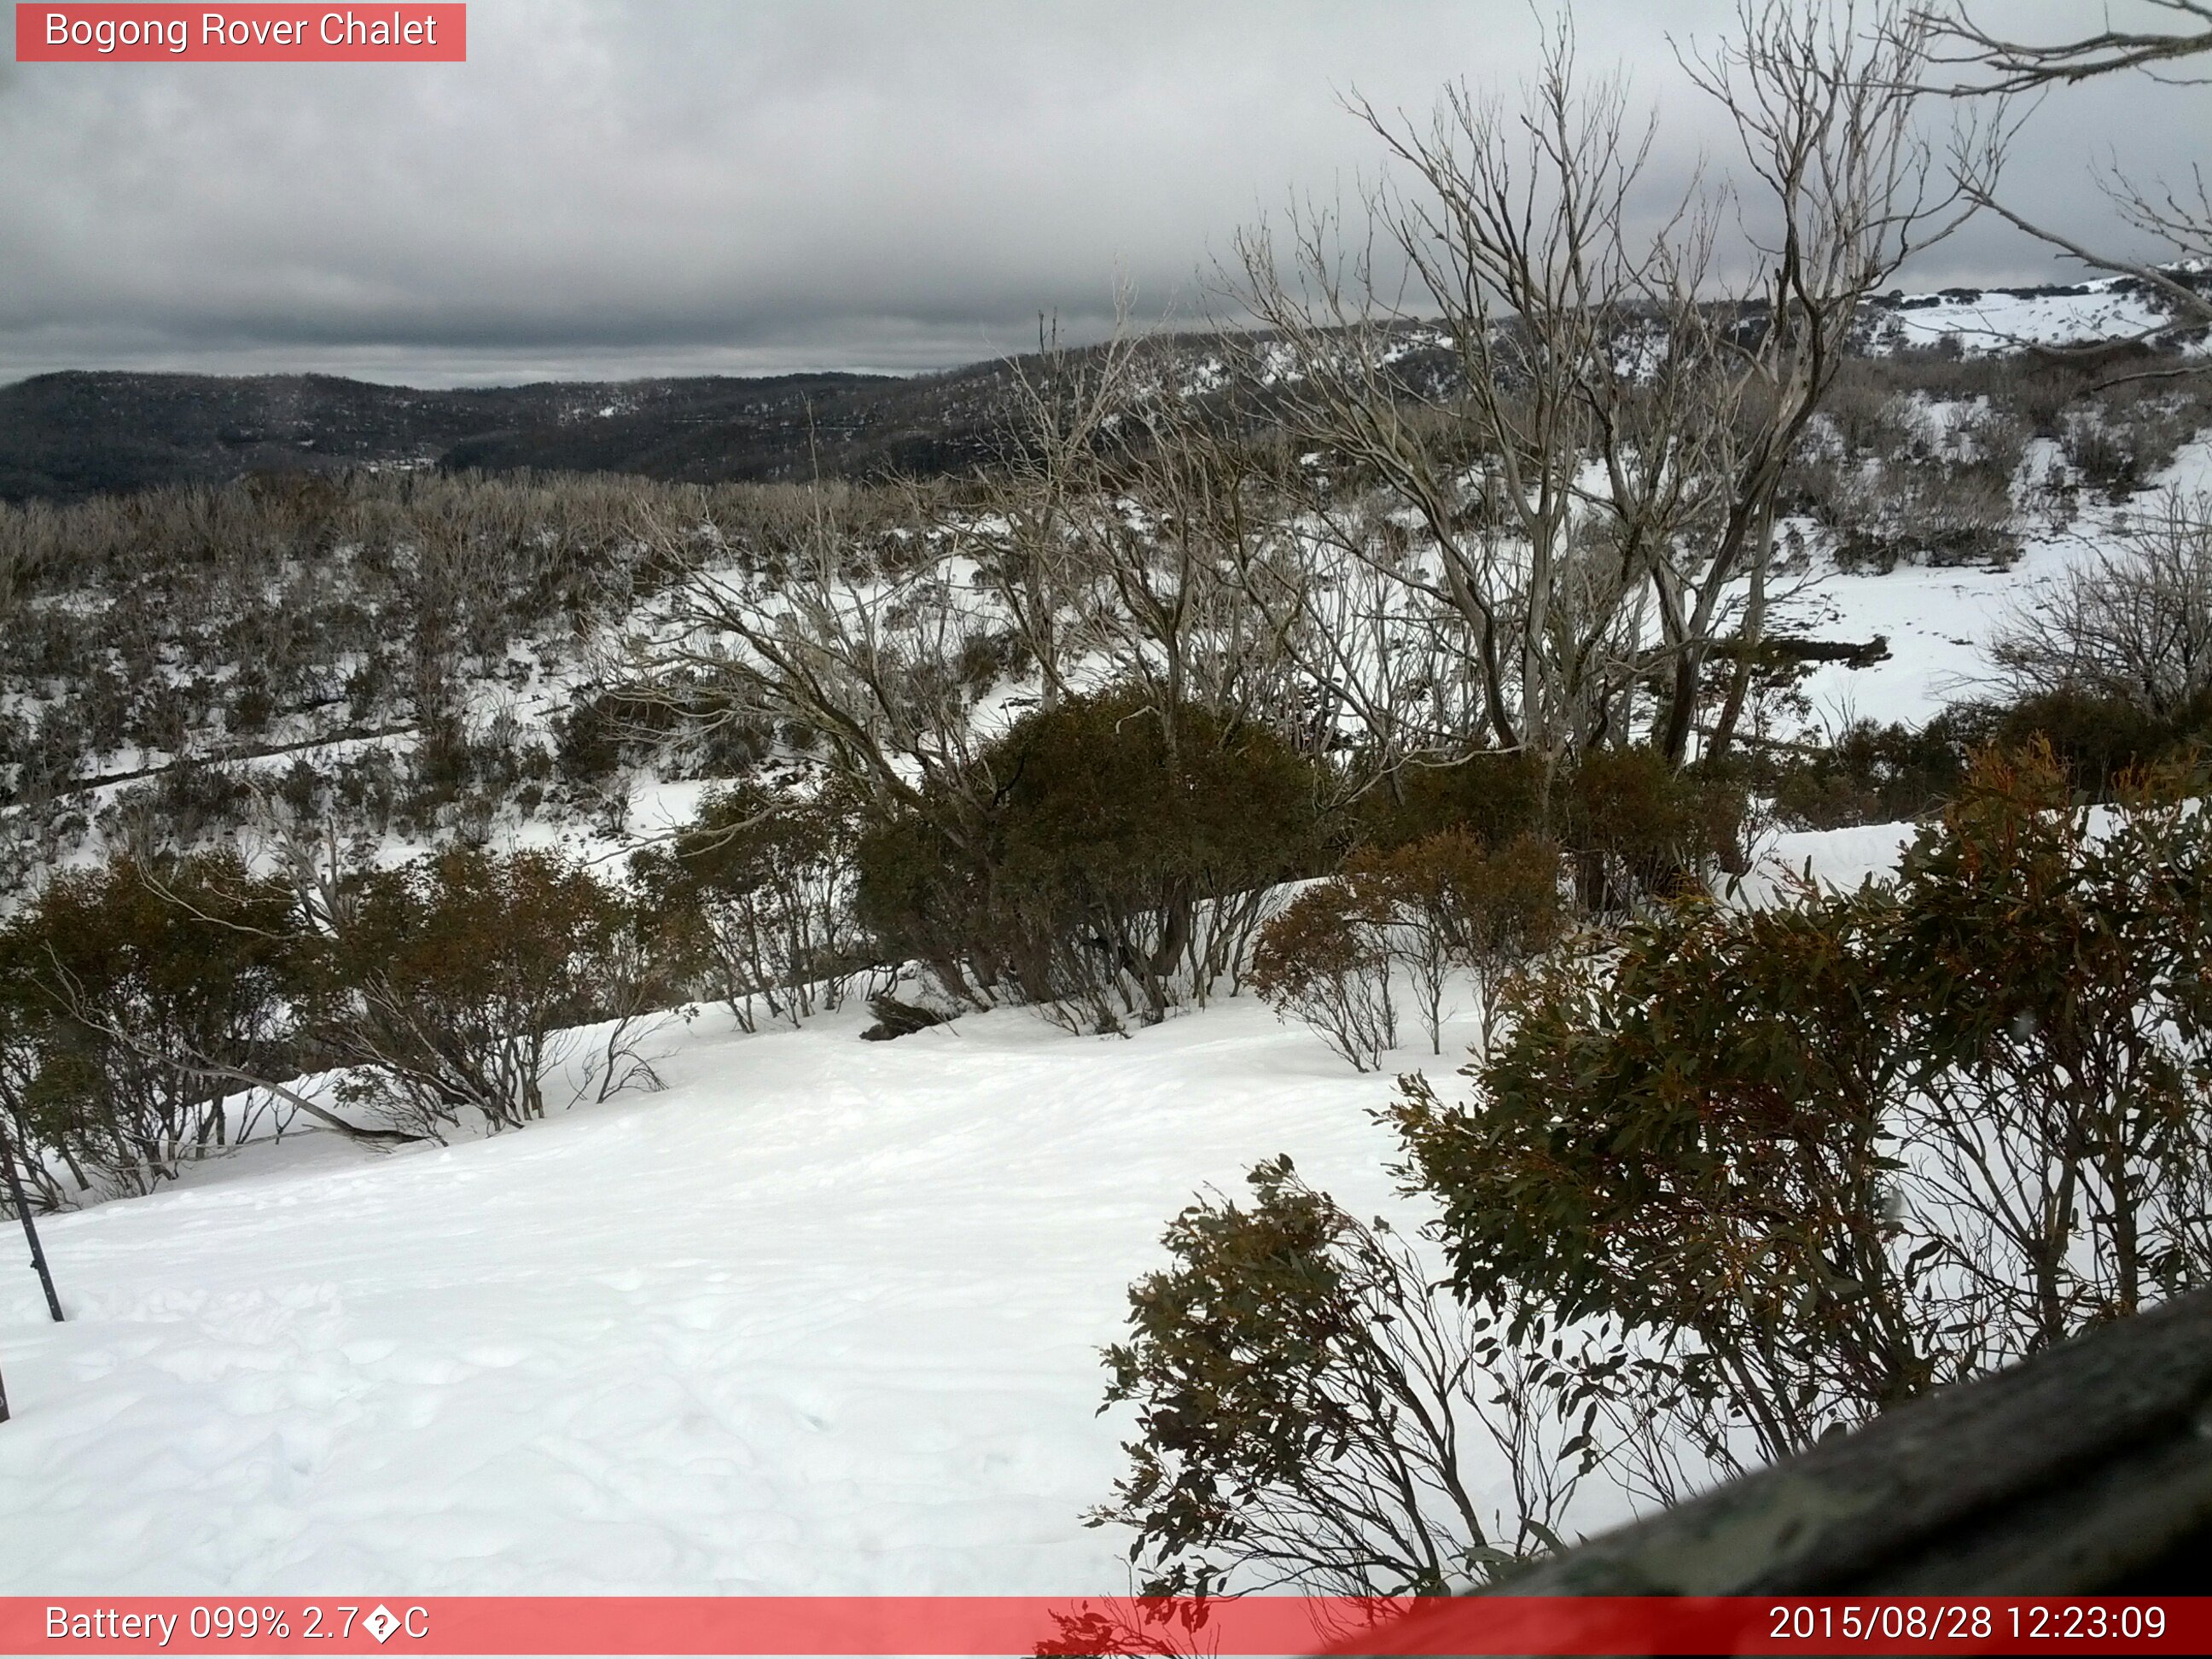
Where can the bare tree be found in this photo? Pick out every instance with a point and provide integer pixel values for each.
(23, 1204)
(1825, 101)
(2133, 625)
(1517, 263)
(1594, 468)
(863, 646)
(1027, 536)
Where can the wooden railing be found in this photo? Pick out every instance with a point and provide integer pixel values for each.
(2086, 1470)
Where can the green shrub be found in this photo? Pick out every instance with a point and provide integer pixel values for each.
(1107, 861)
(1636, 827)
(1870, 774)
(137, 991)
(1821, 1157)
(450, 986)
(1309, 1411)
(1492, 796)
(2097, 740)
(1683, 1133)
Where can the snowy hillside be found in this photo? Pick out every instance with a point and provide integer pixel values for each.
(2004, 320)
(823, 1316)
(1938, 618)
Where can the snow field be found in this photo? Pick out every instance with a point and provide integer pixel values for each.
(821, 1318)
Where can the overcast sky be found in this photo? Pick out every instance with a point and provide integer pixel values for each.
(610, 189)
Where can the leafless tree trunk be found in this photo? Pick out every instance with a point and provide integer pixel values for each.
(1607, 438)
(23, 1203)
(1825, 101)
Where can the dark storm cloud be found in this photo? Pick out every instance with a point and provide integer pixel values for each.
(610, 189)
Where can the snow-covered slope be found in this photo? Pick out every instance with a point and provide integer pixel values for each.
(2004, 320)
(821, 1316)
(1938, 619)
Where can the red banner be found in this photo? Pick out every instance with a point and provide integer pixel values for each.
(1025, 1626)
(98, 33)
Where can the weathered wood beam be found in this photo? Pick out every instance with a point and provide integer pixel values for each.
(2085, 1470)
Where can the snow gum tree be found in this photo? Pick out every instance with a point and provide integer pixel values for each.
(758, 889)
(1582, 425)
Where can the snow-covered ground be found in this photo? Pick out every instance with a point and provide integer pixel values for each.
(821, 1316)
(1994, 320)
(1938, 619)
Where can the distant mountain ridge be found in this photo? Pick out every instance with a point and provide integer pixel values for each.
(80, 433)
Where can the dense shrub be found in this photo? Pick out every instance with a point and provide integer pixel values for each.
(924, 894)
(1635, 826)
(1684, 1133)
(136, 995)
(1325, 959)
(1111, 858)
(1824, 1156)
(1630, 823)
(1874, 774)
(1457, 907)
(450, 985)
(1492, 796)
(2099, 740)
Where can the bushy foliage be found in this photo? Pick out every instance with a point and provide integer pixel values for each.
(1825, 1155)
(1880, 774)
(1111, 858)
(1684, 1133)
(1438, 906)
(1460, 907)
(1326, 960)
(1308, 1410)
(2100, 740)
(1636, 827)
(1874, 774)
(759, 891)
(449, 985)
(132, 992)
(1733, 1180)
(1492, 796)
(2048, 959)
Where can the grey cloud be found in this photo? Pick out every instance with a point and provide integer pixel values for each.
(617, 188)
